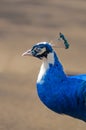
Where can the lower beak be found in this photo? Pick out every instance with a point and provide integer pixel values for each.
(27, 53)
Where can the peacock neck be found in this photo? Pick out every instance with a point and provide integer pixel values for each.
(58, 68)
(51, 65)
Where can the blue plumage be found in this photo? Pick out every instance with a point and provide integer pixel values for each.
(60, 93)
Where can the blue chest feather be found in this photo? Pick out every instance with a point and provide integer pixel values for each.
(61, 93)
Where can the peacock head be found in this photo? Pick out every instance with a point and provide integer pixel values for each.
(39, 50)
(43, 49)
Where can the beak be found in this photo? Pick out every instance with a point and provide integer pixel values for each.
(27, 53)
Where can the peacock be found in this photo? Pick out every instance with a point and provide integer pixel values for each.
(60, 92)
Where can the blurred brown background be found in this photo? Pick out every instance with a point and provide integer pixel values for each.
(23, 23)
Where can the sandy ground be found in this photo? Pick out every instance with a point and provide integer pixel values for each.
(23, 23)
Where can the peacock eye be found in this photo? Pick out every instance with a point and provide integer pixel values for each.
(37, 49)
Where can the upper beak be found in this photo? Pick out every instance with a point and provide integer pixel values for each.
(28, 52)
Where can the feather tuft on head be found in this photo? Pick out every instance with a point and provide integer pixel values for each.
(62, 42)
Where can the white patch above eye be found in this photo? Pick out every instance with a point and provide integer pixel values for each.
(41, 43)
(44, 43)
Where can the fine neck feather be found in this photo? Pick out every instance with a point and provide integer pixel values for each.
(48, 64)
